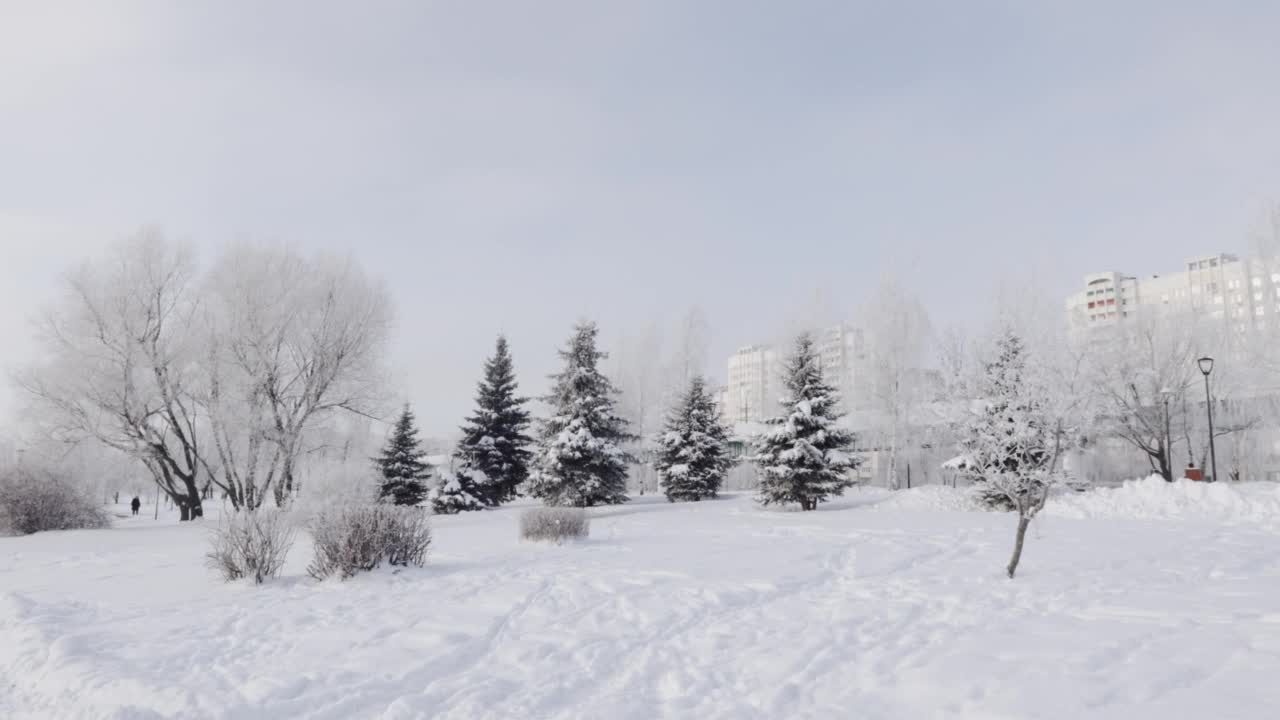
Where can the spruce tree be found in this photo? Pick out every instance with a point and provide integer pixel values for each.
(805, 456)
(404, 474)
(579, 458)
(1010, 439)
(453, 495)
(693, 455)
(493, 455)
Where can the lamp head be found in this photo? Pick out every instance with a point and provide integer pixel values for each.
(1206, 365)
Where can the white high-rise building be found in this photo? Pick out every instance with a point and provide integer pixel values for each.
(1244, 293)
(754, 374)
(844, 359)
(749, 394)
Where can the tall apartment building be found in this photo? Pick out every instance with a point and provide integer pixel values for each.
(1244, 293)
(754, 374)
(844, 360)
(750, 393)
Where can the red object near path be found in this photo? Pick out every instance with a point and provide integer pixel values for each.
(1194, 474)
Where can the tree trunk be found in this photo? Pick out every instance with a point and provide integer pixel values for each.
(893, 455)
(190, 507)
(1023, 522)
(1166, 464)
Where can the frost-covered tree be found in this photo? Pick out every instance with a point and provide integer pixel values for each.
(120, 363)
(1008, 438)
(805, 456)
(1032, 413)
(455, 494)
(493, 455)
(579, 458)
(293, 341)
(897, 334)
(404, 473)
(693, 455)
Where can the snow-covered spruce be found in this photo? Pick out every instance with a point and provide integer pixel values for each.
(1007, 445)
(693, 454)
(404, 473)
(493, 455)
(805, 456)
(455, 493)
(579, 458)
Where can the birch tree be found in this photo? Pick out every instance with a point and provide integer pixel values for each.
(897, 331)
(291, 341)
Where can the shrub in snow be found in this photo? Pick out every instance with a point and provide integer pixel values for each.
(579, 458)
(404, 473)
(454, 495)
(251, 544)
(693, 455)
(556, 524)
(33, 501)
(357, 538)
(804, 456)
(493, 455)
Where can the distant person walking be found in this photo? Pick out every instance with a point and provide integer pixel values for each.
(136, 504)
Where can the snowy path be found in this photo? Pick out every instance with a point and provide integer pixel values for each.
(865, 609)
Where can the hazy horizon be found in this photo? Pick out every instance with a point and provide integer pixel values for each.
(511, 168)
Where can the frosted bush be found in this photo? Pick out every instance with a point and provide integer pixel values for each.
(251, 544)
(357, 538)
(554, 523)
(33, 501)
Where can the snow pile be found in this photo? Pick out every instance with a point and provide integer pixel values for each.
(1153, 498)
(932, 497)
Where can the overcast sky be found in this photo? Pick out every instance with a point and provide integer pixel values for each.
(513, 166)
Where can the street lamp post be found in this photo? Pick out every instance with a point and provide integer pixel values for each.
(1206, 367)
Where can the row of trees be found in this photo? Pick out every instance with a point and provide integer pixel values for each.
(578, 458)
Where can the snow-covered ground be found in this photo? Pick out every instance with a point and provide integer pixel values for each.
(1148, 601)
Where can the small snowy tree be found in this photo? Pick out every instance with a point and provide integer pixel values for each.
(805, 456)
(693, 455)
(457, 493)
(1029, 419)
(579, 458)
(404, 473)
(493, 456)
(1006, 443)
